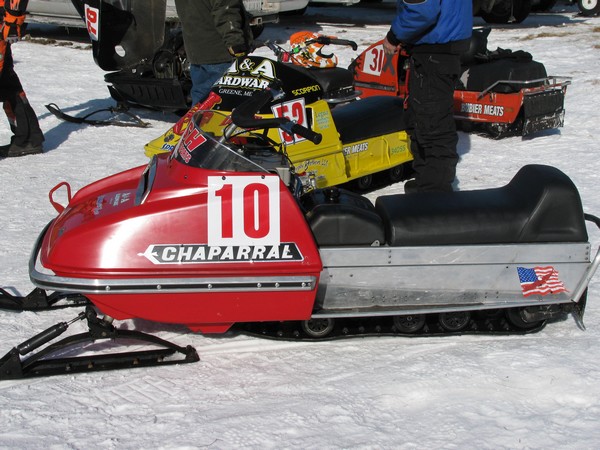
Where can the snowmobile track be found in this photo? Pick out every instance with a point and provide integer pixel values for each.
(492, 323)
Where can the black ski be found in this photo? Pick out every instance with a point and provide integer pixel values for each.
(117, 111)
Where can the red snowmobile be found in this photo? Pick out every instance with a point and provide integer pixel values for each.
(500, 93)
(221, 234)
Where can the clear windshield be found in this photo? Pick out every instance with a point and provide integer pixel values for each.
(197, 148)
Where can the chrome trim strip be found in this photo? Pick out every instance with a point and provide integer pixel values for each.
(171, 285)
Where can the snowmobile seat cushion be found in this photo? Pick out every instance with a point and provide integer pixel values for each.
(338, 217)
(369, 117)
(540, 204)
(479, 77)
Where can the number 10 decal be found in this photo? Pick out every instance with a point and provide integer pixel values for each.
(243, 210)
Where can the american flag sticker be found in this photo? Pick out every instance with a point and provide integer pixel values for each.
(540, 281)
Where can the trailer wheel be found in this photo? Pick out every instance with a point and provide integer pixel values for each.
(455, 321)
(410, 323)
(363, 183)
(515, 317)
(318, 328)
(397, 173)
(504, 11)
(589, 7)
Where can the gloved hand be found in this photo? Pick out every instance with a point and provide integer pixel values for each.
(11, 28)
(238, 50)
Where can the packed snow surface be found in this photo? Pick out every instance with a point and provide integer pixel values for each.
(536, 391)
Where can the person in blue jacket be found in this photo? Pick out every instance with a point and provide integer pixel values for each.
(434, 33)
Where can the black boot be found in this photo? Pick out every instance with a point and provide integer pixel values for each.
(12, 149)
(28, 137)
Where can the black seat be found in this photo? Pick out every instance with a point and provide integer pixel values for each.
(330, 79)
(540, 204)
(369, 117)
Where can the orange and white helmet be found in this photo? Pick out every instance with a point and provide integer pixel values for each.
(307, 52)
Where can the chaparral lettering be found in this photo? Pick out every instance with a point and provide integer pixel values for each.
(202, 253)
(243, 253)
(227, 254)
(169, 254)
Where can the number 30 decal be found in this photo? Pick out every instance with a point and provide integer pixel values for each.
(243, 210)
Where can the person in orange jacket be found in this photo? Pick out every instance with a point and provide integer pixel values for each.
(27, 136)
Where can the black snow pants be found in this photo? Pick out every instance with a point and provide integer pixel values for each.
(21, 116)
(431, 123)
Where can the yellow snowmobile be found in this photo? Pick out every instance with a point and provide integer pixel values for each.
(360, 139)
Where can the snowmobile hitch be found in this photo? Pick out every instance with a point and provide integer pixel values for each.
(12, 366)
(120, 110)
(39, 300)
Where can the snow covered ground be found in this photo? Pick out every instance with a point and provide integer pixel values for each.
(538, 391)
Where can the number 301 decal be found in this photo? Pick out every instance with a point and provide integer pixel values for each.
(243, 210)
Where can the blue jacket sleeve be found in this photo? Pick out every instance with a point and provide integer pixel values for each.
(414, 19)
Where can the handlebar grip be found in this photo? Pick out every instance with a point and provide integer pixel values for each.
(326, 40)
(243, 116)
(313, 137)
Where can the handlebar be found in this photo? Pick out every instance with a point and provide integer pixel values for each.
(300, 130)
(244, 116)
(326, 40)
